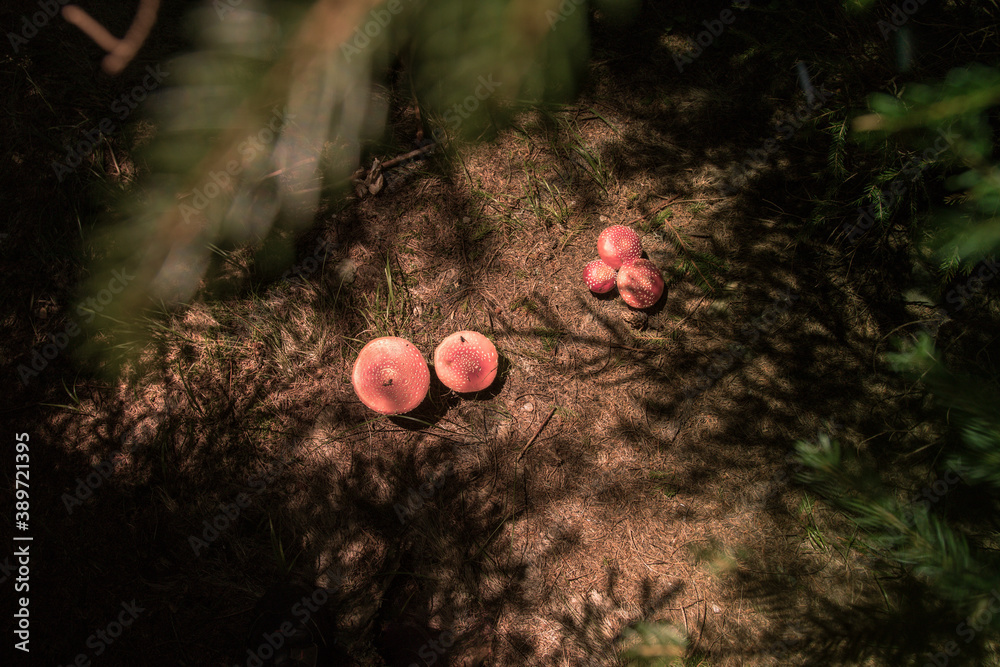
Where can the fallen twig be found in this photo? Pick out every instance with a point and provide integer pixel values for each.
(371, 181)
(388, 164)
(535, 437)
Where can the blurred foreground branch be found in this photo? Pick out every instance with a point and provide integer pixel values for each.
(120, 51)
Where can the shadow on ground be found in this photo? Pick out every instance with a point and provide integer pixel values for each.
(657, 484)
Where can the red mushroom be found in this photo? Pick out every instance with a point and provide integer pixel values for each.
(618, 246)
(390, 375)
(600, 277)
(640, 283)
(466, 361)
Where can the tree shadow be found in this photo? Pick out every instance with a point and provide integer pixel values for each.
(246, 467)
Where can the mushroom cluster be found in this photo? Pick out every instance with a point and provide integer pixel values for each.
(621, 264)
(391, 377)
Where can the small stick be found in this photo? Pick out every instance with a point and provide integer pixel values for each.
(534, 437)
(674, 200)
(389, 164)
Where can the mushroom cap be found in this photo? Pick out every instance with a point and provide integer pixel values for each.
(618, 246)
(640, 283)
(600, 277)
(466, 361)
(390, 375)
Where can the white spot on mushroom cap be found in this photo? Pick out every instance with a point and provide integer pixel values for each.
(619, 246)
(466, 361)
(390, 375)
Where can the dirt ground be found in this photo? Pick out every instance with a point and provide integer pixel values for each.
(626, 467)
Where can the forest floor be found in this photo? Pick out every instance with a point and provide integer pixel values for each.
(658, 484)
